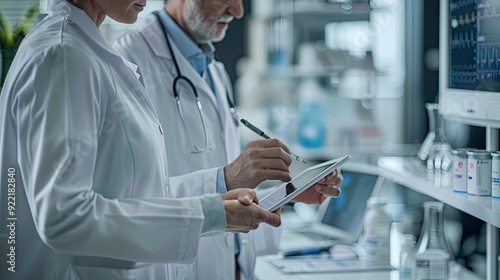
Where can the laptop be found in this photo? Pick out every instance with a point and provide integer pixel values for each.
(337, 220)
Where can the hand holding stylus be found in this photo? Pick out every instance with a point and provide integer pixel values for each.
(265, 136)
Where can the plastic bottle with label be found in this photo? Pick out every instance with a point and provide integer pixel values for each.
(375, 241)
(407, 257)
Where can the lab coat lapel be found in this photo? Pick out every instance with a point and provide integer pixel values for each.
(220, 91)
(222, 86)
(152, 30)
(76, 16)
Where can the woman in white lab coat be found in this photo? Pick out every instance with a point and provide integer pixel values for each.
(148, 48)
(84, 175)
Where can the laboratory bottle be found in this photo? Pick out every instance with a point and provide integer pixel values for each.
(407, 257)
(375, 241)
(432, 235)
(312, 115)
(435, 151)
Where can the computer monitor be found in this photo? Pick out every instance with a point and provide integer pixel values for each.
(469, 63)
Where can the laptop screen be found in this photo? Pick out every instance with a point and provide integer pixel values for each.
(347, 211)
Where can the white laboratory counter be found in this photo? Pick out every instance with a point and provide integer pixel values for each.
(267, 271)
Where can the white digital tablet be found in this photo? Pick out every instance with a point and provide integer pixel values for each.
(287, 191)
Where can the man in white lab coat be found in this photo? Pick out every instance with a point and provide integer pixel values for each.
(212, 141)
(84, 184)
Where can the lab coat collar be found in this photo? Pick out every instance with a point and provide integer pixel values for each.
(151, 29)
(153, 35)
(74, 15)
(187, 47)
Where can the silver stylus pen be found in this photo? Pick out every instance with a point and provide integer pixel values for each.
(264, 135)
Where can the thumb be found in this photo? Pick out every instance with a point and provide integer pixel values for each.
(247, 196)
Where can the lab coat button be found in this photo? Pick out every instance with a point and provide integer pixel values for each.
(229, 240)
(64, 11)
(69, 21)
(161, 129)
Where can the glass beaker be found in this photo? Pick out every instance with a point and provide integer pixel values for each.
(432, 235)
(435, 151)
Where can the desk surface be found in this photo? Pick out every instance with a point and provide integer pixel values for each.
(266, 271)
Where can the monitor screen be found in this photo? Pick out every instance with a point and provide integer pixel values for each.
(470, 59)
(347, 211)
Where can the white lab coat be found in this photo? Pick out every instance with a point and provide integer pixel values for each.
(147, 48)
(90, 169)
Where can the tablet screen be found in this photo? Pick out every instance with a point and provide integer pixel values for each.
(283, 191)
(300, 183)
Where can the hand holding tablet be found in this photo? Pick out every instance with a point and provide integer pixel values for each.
(289, 190)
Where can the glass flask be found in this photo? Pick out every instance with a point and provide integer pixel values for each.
(432, 235)
(435, 151)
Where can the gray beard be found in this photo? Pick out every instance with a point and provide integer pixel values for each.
(195, 24)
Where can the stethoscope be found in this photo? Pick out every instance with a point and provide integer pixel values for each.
(177, 79)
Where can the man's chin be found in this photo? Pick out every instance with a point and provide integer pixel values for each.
(220, 37)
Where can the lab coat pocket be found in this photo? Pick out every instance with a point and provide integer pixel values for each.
(106, 273)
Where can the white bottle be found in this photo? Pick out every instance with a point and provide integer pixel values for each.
(407, 258)
(375, 241)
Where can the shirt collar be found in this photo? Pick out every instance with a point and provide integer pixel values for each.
(199, 56)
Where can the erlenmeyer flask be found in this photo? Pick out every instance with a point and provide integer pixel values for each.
(432, 235)
(435, 151)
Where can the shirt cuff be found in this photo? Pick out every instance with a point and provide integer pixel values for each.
(215, 215)
(221, 181)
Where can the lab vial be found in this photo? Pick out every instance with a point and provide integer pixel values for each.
(479, 172)
(459, 178)
(495, 174)
(432, 264)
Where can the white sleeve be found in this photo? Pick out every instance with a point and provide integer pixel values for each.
(194, 184)
(56, 102)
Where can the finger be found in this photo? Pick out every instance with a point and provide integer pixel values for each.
(331, 179)
(238, 230)
(275, 156)
(272, 174)
(273, 148)
(325, 179)
(335, 181)
(272, 163)
(328, 191)
(273, 219)
(269, 143)
(247, 197)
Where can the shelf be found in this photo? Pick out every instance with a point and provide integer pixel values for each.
(331, 152)
(405, 171)
(329, 9)
(474, 122)
(307, 8)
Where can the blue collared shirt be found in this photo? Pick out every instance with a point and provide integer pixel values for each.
(199, 57)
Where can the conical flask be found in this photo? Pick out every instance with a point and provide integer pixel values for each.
(435, 151)
(432, 235)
